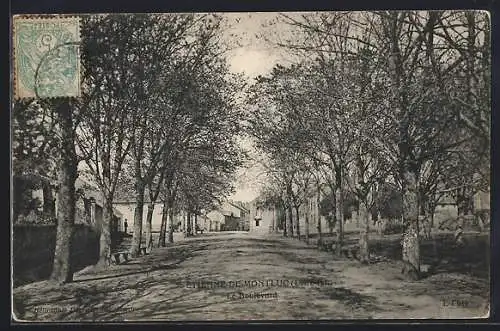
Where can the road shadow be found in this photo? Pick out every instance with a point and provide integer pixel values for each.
(443, 255)
(169, 258)
(351, 298)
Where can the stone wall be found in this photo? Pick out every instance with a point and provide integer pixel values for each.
(33, 250)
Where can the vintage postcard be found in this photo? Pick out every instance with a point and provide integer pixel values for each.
(251, 166)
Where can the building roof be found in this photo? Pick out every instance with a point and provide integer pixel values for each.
(91, 191)
(236, 205)
(117, 213)
(226, 212)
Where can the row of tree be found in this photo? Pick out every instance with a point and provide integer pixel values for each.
(157, 121)
(377, 98)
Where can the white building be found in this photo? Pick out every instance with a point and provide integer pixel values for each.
(127, 209)
(231, 216)
(267, 219)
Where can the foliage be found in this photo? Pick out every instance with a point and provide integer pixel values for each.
(389, 202)
(393, 226)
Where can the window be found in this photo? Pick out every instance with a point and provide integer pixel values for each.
(257, 222)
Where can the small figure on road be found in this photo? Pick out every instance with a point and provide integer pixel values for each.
(459, 239)
(125, 225)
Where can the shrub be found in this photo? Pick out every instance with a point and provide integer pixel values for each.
(392, 227)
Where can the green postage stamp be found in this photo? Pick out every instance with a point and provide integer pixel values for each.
(46, 57)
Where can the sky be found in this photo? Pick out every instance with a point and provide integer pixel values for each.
(254, 57)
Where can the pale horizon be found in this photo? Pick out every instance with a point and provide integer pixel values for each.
(254, 57)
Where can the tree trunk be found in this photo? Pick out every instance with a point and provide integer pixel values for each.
(188, 224)
(375, 217)
(465, 204)
(356, 216)
(398, 97)
(139, 209)
(171, 227)
(184, 223)
(298, 221)
(49, 211)
(195, 225)
(432, 213)
(149, 227)
(105, 238)
(290, 222)
(285, 223)
(423, 204)
(411, 240)
(332, 223)
(306, 229)
(340, 220)
(273, 221)
(318, 216)
(364, 218)
(163, 227)
(66, 197)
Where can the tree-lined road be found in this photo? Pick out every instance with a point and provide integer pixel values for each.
(370, 118)
(201, 278)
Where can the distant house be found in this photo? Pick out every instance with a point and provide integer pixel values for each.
(230, 216)
(127, 208)
(266, 219)
(262, 219)
(215, 219)
(482, 200)
(89, 206)
(203, 223)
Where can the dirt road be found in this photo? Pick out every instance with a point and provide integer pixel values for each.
(239, 276)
